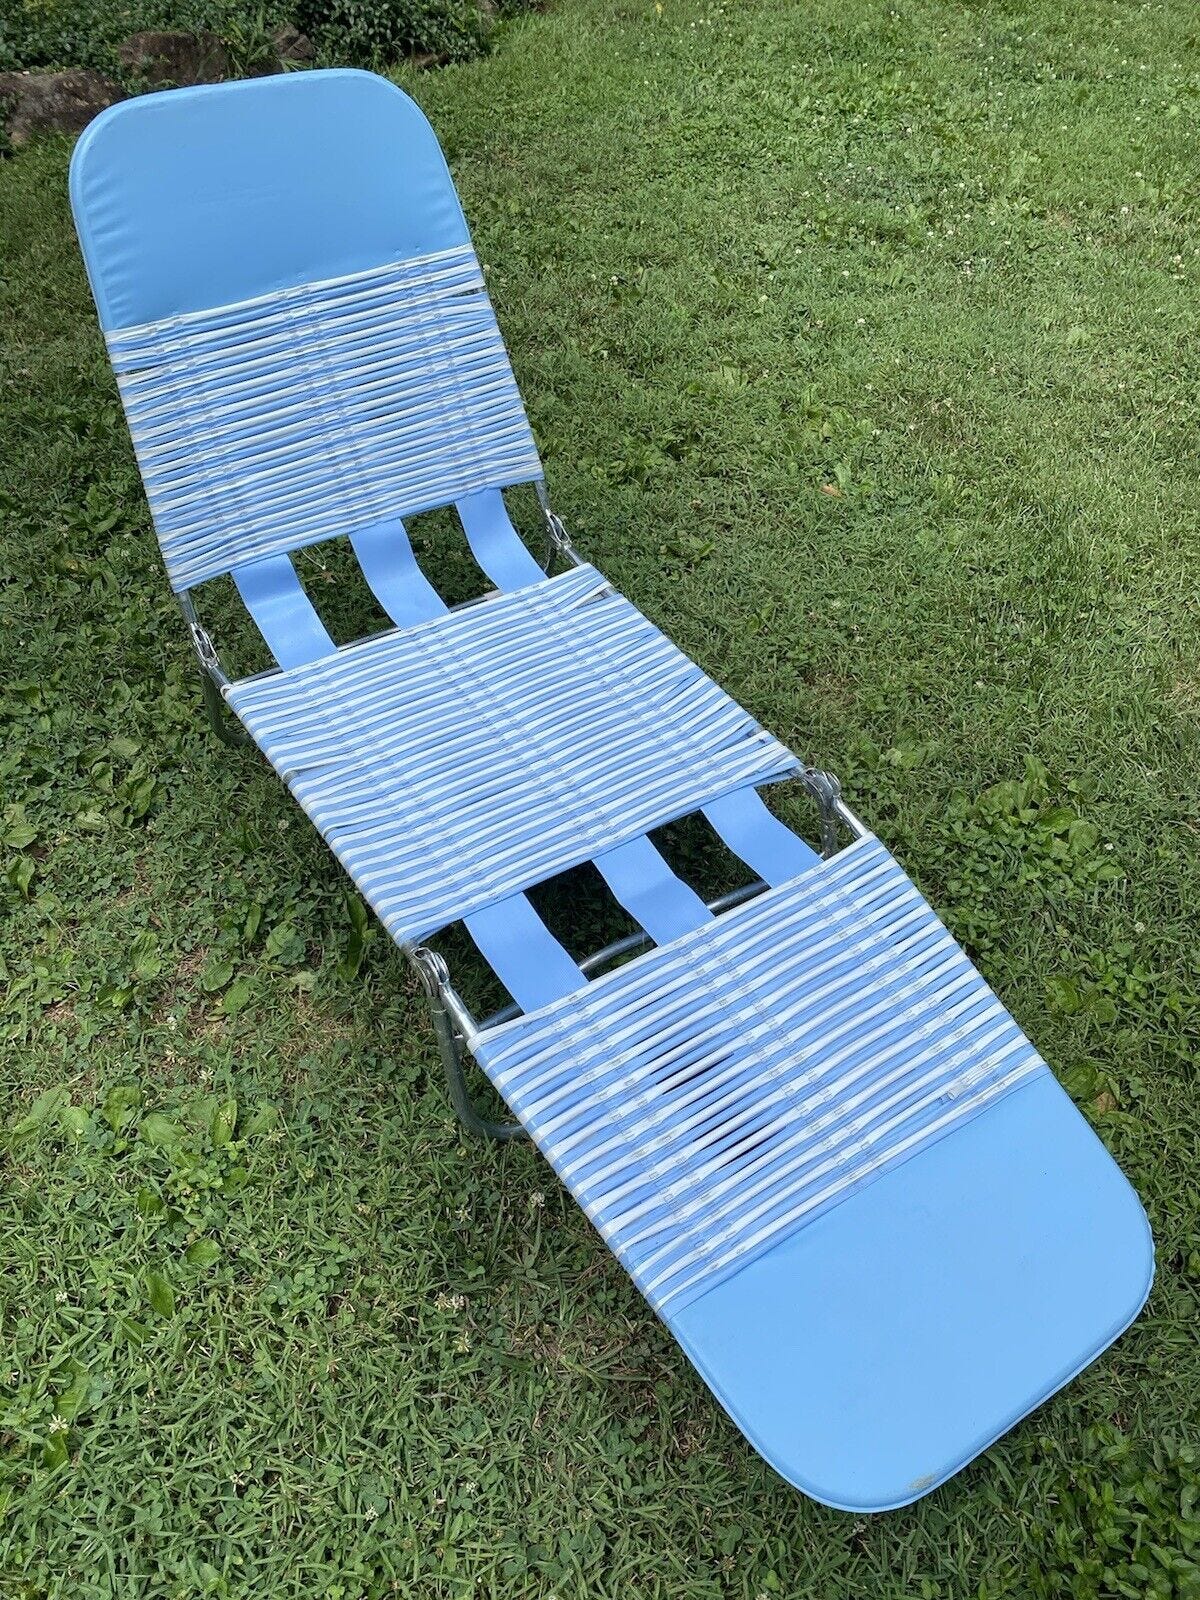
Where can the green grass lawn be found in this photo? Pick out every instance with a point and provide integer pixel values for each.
(861, 343)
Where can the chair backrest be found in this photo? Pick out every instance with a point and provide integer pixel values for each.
(299, 325)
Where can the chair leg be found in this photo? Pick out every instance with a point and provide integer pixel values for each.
(460, 1096)
(218, 715)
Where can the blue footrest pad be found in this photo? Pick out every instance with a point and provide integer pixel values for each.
(719, 1093)
(452, 764)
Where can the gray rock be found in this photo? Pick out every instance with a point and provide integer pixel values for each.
(53, 102)
(290, 45)
(158, 59)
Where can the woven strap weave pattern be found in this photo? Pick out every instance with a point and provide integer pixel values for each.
(451, 764)
(715, 1095)
(319, 410)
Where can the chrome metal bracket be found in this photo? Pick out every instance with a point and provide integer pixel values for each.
(206, 650)
(827, 791)
(557, 540)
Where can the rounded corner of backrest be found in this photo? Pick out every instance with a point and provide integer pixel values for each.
(80, 155)
(89, 146)
(93, 133)
(409, 114)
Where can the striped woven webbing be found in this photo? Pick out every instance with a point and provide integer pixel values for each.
(718, 1093)
(320, 409)
(453, 763)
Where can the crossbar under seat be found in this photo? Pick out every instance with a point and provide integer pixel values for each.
(822, 1148)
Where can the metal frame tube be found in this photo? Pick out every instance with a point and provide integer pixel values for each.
(450, 1046)
(452, 1023)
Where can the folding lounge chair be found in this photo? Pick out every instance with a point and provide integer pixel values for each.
(822, 1149)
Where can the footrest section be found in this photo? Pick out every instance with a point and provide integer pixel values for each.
(842, 1175)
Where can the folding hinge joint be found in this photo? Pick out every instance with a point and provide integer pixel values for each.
(206, 650)
(432, 971)
(827, 791)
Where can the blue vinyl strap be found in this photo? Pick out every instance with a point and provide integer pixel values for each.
(645, 885)
(523, 953)
(494, 541)
(393, 576)
(764, 843)
(282, 612)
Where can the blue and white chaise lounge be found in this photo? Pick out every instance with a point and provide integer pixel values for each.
(811, 1134)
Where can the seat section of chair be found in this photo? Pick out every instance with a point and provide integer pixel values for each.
(454, 763)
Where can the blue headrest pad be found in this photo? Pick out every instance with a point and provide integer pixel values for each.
(202, 197)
